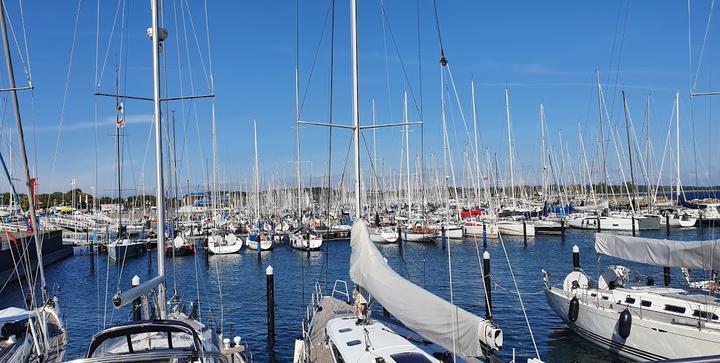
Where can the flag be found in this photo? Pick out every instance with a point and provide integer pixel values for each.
(120, 115)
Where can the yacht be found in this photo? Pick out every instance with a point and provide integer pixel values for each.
(641, 321)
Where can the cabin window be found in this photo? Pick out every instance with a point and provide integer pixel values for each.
(344, 330)
(409, 357)
(593, 294)
(675, 309)
(353, 343)
(646, 303)
(704, 315)
(606, 297)
(629, 300)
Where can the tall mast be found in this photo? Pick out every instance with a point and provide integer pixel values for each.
(23, 154)
(510, 150)
(475, 132)
(356, 103)
(542, 152)
(627, 129)
(677, 142)
(407, 152)
(257, 175)
(602, 133)
(160, 192)
(374, 159)
(118, 114)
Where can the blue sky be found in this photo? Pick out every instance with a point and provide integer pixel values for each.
(542, 51)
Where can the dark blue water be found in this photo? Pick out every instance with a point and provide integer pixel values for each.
(81, 281)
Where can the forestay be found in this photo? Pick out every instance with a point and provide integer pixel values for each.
(425, 313)
(660, 252)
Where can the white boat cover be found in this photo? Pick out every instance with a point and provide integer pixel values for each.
(660, 252)
(592, 207)
(425, 313)
(12, 314)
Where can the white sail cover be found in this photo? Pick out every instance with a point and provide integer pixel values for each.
(425, 313)
(660, 252)
(592, 207)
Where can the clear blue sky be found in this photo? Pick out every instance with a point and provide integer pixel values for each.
(543, 51)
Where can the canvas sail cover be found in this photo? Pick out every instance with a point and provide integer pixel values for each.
(660, 252)
(592, 207)
(425, 313)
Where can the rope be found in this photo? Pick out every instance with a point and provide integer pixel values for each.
(522, 305)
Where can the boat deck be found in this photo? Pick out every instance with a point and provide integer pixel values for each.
(329, 308)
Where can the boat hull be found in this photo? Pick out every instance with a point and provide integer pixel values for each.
(648, 339)
(119, 251)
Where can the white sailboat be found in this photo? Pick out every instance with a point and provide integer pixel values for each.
(257, 240)
(169, 334)
(335, 331)
(641, 322)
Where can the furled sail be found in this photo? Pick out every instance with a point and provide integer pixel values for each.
(425, 313)
(660, 252)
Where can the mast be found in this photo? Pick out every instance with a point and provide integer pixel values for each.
(374, 160)
(160, 192)
(257, 178)
(542, 152)
(677, 143)
(602, 134)
(627, 129)
(356, 105)
(23, 153)
(407, 151)
(475, 132)
(510, 150)
(118, 115)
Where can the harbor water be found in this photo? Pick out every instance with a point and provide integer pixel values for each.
(231, 288)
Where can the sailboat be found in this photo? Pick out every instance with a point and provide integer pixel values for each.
(427, 328)
(641, 321)
(257, 239)
(169, 333)
(36, 332)
(123, 246)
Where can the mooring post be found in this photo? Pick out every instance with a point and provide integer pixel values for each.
(270, 286)
(576, 258)
(666, 276)
(562, 229)
(443, 237)
(486, 279)
(633, 224)
(484, 236)
(701, 223)
(667, 225)
(137, 303)
(524, 232)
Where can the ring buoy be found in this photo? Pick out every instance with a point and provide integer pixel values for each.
(574, 309)
(624, 324)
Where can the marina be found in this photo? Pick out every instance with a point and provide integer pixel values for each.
(338, 208)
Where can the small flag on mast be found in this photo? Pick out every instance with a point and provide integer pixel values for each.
(121, 115)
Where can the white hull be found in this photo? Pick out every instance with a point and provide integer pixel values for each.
(384, 235)
(302, 243)
(219, 245)
(418, 237)
(683, 221)
(475, 229)
(615, 223)
(648, 340)
(265, 244)
(516, 228)
(125, 249)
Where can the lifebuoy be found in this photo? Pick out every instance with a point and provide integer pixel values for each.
(625, 323)
(574, 309)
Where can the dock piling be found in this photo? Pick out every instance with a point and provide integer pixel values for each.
(270, 286)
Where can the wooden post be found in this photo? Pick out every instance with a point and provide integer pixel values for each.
(666, 276)
(633, 224)
(667, 225)
(524, 233)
